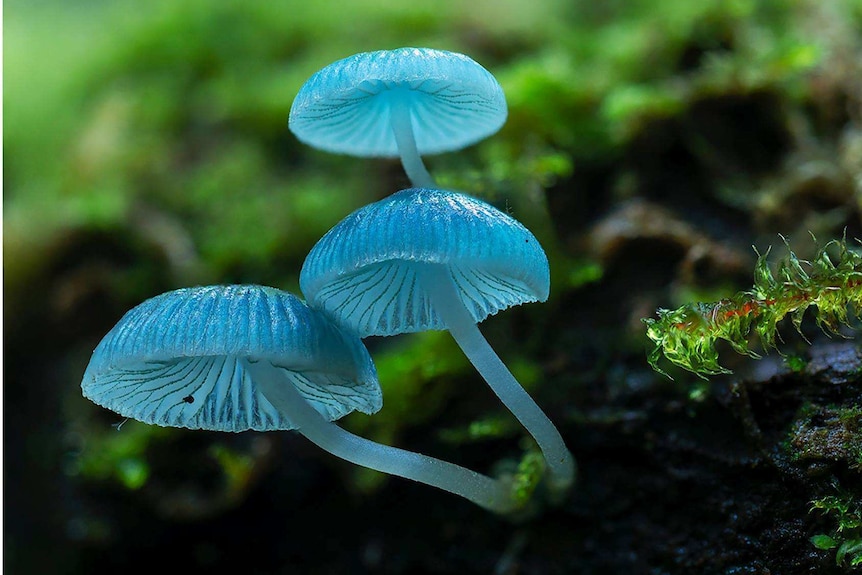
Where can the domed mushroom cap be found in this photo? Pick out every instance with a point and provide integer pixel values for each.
(345, 107)
(363, 272)
(177, 360)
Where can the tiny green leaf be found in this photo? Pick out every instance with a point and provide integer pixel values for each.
(824, 542)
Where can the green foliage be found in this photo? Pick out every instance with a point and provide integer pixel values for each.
(578, 273)
(504, 166)
(179, 107)
(489, 427)
(416, 373)
(237, 468)
(119, 456)
(527, 477)
(795, 363)
(846, 538)
(831, 284)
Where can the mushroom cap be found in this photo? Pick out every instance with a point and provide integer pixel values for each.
(344, 108)
(363, 271)
(177, 360)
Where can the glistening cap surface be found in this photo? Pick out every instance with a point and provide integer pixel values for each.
(177, 360)
(363, 271)
(345, 107)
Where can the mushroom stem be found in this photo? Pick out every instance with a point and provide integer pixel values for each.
(437, 280)
(402, 128)
(492, 494)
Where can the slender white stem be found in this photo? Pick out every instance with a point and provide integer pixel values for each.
(437, 280)
(484, 491)
(402, 127)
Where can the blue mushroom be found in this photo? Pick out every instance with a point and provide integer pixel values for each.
(432, 259)
(399, 103)
(234, 358)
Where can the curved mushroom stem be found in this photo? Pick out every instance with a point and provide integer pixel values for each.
(402, 127)
(437, 280)
(494, 495)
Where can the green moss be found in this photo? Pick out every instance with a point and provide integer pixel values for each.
(795, 363)
(827, 434)
(578, 273)
(830, 285)
(416, 372)
(489, 427)
(237, 469)
(846, 536)
(118, 454)
(182, 107)
(132, 472)
(628, 106)
(527, 476)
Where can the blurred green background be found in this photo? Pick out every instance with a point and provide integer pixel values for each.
(649, 144)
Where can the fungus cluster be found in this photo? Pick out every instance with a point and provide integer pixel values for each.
(234, 358)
